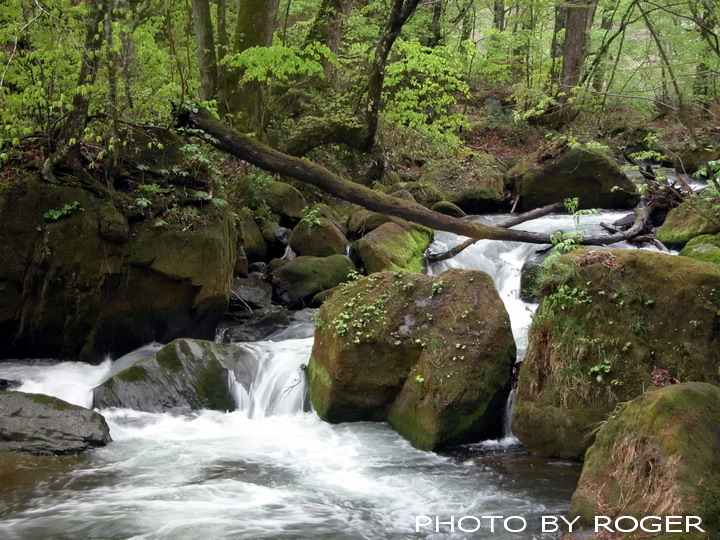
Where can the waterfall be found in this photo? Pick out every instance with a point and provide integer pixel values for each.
(277, 384)
(503, 261)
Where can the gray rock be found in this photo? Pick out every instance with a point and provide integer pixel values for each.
(45, 425)
(184, 374)
(257, 325)
(250, 293)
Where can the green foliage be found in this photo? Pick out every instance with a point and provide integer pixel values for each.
(423, 85)
(66, 210)
(280, 65)
(311, 217)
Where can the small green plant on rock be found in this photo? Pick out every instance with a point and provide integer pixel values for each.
(66, 210)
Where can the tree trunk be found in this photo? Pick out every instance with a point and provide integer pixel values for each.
(269, 159)
(579, 19)
(434, 34)
(74, 125)
(254, 28)
(499, 15)
(556, 46)
(207, 59)
(328, 28)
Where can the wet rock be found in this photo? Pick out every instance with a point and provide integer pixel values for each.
(529, 274)
(252, 239)
(448, 208)
(6, 385)
(589, 175)
(256, 325)
(394, 247)
(184, 374)
(704, 248)
(45, 425)
(297, 281)
(607, 320)
(89, 289)
(658, 455)
(431, 356)
(284, 200)
(317, 238)
(250, 293)
(475, 184)
(694, 217)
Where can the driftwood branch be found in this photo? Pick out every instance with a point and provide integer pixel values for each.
(269, 159)
(527, 216)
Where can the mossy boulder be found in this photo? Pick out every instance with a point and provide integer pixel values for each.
(45, 425)
(318, 238)
(699, 215)
(251, 238)
(299, 280)
(394, 247)
(475, 183)
(432, 356)
(448, 208)
(704, 248)
(659, 455)
(76, 273)
(608, 321)
(184, 374)
(589, 175)
(284, 200)
(363, 221)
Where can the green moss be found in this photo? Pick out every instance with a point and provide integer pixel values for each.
(694, 217)
(657, 455)
(318, 387)
(605, 320)
(52, 402)
(392, 247)
(212, 387)
(134, 373)
(704, 248)
(168, 358)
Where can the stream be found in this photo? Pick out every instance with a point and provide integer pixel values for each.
(273, 470)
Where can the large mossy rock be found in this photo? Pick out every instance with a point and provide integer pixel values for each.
(317, 238)
(45, 425)
(475, 184)
(608, 320)
(298, 281)
(659, 455)
(184, 374)
(704, 248)
(696, 216)
(431, 356)
(251, 239)
(589, 175)
(394, 246)
(284, 200)
(88, 284)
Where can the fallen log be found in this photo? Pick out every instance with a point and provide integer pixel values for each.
(304, 170)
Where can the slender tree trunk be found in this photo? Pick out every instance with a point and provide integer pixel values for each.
(206, 57)
(254, 28)
(223, 48)
(74, 125)
(661, 52)
(579, 19)
(328, 28)
(499, 15)
(434, 34)
(468, 24)
(556, 46)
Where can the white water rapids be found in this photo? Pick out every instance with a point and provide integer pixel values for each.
(271, 470)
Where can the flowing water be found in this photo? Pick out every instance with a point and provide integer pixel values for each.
(271, 469)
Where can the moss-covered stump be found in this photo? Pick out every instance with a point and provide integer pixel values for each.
(394, 247)
(475, 184)
(284, 200)
(431, 356)
(45, 425)
(608, 323)
(696, 216)
(184, 374)
(317, 238)
(590, 175)
(78, 276)
(657, 456)
(299, 280)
